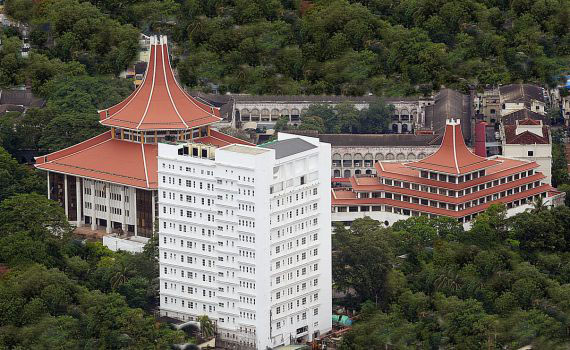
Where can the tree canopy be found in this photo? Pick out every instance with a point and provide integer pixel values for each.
(354, 47)
(502, 284)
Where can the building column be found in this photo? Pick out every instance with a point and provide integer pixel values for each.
(124, 216)
(153, 209)
(108, 204)
(79, 201)
(94, 216)
(65, 195)
(135, 211)
(48, 187)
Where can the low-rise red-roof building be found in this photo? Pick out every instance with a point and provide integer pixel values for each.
(110, 181)
(529, 139)
(452, 182)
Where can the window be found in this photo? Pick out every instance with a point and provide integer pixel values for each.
(530, 153)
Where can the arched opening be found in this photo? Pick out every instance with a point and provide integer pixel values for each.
(255, 115)
(358, 160)
(275, 114)
(346, 173)
(401, 156)
(285, 113)
(404, 115)
(395, 128)
(390, 156)
(379, 156)
(357, 172)
(336, 173)
(368, 160)
(336, 160)
(368, 172)
(411, 156)
(245, 115)
(421, 155)
(404, 127)
(347, 160)
(265, 115)
(295, 115)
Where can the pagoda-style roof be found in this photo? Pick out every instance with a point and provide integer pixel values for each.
(453, 156)
(118, 161)
(159, 103)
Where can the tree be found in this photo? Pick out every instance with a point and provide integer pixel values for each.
(363, 257)
(16, 178)
(35, 214)
(376, 118)
(206, 326)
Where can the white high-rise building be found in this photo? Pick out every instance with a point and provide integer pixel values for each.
(245, 238)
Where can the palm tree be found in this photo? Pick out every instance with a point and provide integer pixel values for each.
(206, 326)
(538, 205)
(120, 275)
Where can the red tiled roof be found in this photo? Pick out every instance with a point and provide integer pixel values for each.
(118, 161)
(504, 167)
(106, 159)
(526, 137)
(529, 121)
(453, 156)
(448, 199)
(159, 103)
(336, 201)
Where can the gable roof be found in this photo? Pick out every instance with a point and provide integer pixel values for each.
(159, 103)
(526, 137)
(521, 114)
(521, 93)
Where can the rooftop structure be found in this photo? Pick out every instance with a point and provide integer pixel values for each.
(522, 114)
(110, 181)
(18, 101)
(159, 103)
(449, 104)
(452, 182)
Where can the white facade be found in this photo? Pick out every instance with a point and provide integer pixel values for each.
(539, 153)
(245, 238)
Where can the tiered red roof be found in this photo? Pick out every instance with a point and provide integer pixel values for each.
(159, 103)
(122, 162)
(453, 156)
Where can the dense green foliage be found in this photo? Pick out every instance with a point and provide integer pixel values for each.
(71, 30)
(503, 284)
(69, 117)
(343, 118)
(388, 47)
(16, 178)
(61, 292)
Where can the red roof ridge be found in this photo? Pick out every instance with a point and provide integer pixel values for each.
(529, 121)
(160, 102)
(453, 156)
(106, 136)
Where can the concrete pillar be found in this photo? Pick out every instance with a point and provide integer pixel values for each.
(153, 209)
(48, 187)
(125, 206)
(65, 195)
(108, 204)
(79, 201)
(94, 216)
(135, 211)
